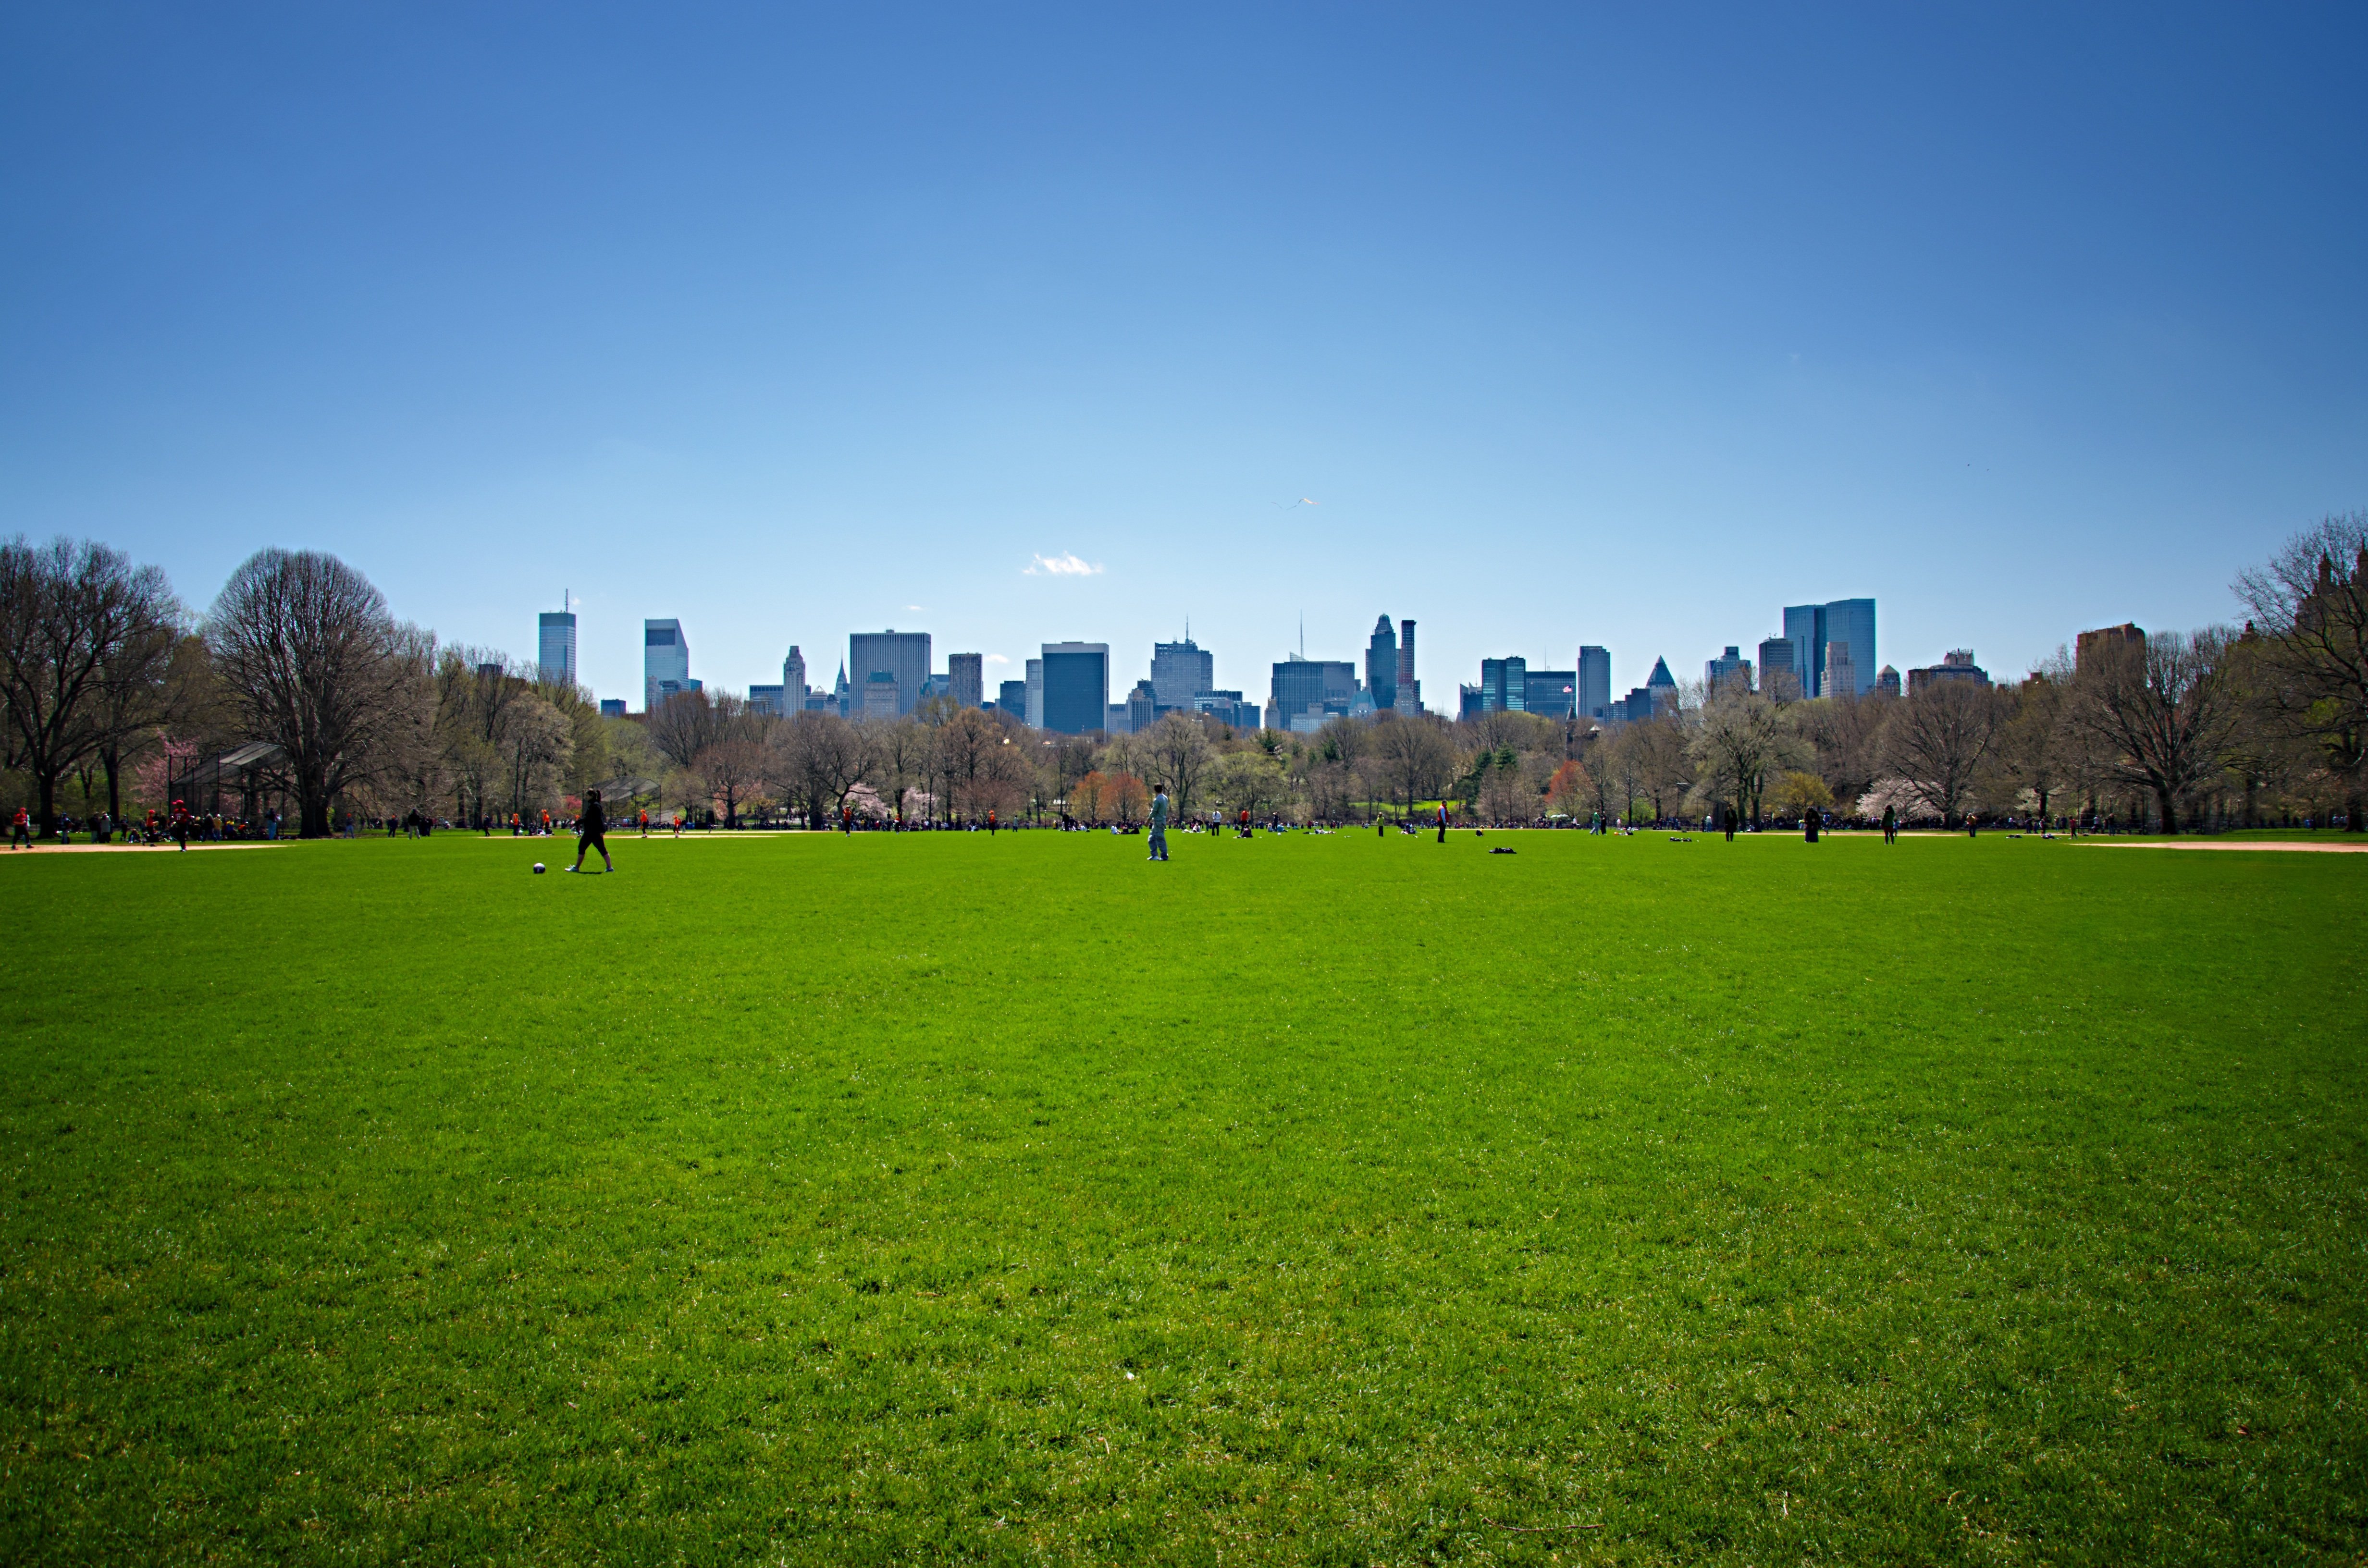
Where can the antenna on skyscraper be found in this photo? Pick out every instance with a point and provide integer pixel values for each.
(1302, 637)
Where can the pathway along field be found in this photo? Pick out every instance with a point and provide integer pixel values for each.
(1316, 1199)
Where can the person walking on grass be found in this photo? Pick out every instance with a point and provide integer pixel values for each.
(1160, 824)
(20, 831)
(1891, 824)
(592, 833)
(1442, 821)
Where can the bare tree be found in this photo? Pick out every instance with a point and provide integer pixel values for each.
(1940, 740)
(2158, 718)
(136, 688)
(2029, 756)
(1743, 741)
(314, 665)
(1176, 750)
(733, 770)
(1412, 759)
(71, 617)
(2311, 603)
(818, 758)
(690, 722)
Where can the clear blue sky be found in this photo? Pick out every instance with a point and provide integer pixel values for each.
(1579, 326)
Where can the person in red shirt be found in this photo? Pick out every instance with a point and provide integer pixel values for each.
(20, 833)
(182, 822)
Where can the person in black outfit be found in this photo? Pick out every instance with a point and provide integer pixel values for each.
(592, 833)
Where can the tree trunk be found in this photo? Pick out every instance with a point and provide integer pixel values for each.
(48, 780)
(2352, 823)
(2169, 813)
(113, 761)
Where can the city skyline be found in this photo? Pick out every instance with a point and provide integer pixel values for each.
(1823, 647)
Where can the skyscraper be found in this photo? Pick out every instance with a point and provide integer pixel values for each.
(1594, 682)
(1382, 665)
(1841, 673)
(1810, 627)
(903, 656)
(666, 657)
(1553, 693)
(1728, 666)
(1775, 664)
(966, 678)
(1504, 685)
(1012, 697)
(1035, 709)
(555, 658)
(1075, 687)
(1662, 685)
(1409, 689)
(1302, 687)
(793, 679)
(1180, 672)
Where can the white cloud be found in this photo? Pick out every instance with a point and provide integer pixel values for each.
(923, 609)
(997, 659)
(1063, 566)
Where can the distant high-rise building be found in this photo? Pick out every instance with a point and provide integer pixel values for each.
(1180, 672)
(966, 678)
(1887, 683)
(555, 657)
(768, 700)
(1811, 628)
(1637, 705)
(1594, 682)
(612, 708)
(665, 658)
(1957, 664)
(1301, 686)
(1841, 672)
(1228, 708)
(880, 695)
(2088, 644)
(1011, 697)
(1382, 665)
(1077, 686)
(1143, 705)
(842, 697)
(1725, 668)
(1661, 680)
(1504, 685)
(1035, 709)
(1777, 675)
(903, 655)
(1409, 689)
(1553, 693)
(793, 679)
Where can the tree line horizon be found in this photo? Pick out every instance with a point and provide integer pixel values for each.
(110, 684)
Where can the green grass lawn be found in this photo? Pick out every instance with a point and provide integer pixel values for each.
(1328, 1199)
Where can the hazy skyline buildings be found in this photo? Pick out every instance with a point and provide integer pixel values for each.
(1180, 672)
(555, 647)
(903, 656)
(1076, 687)
(665, 661)
(1382, 665)
(1814, 628)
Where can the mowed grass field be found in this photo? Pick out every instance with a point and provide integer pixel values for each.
(1308, 1199)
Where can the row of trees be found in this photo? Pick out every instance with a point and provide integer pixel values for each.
(105, 676)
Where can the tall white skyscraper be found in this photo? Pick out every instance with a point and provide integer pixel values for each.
(555, 653)
(665, 662)
(1035, 694)
(793, 679)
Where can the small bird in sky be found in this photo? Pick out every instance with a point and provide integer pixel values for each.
(1302, 501)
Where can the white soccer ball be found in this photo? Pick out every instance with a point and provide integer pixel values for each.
(538, 868)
